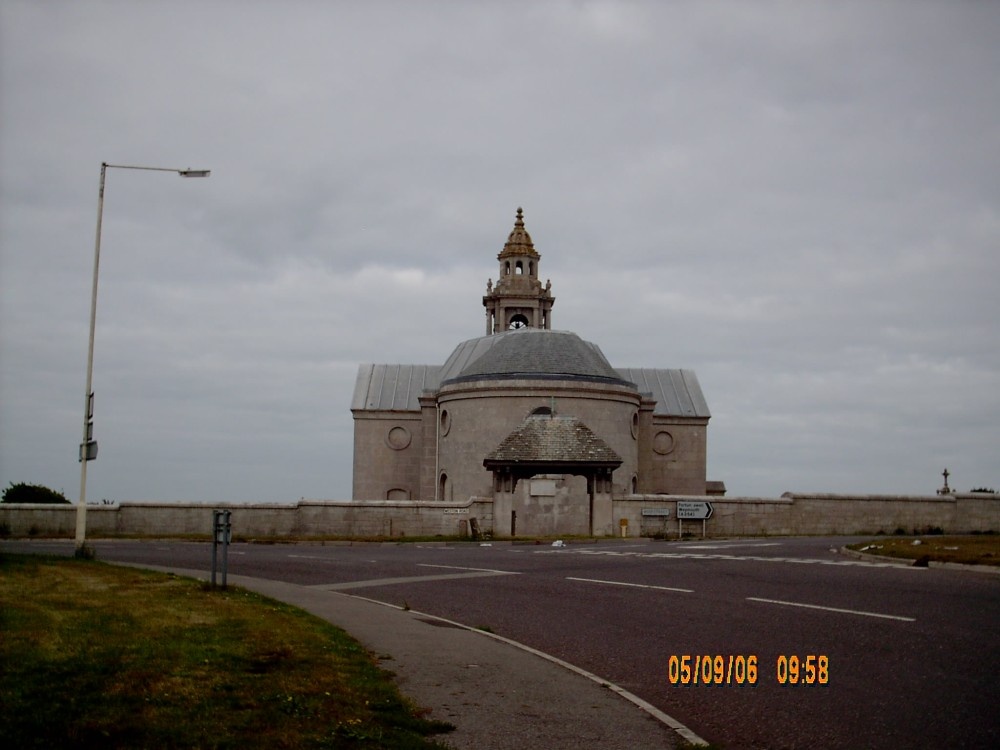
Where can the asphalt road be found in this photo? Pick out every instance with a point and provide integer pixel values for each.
(903, 657)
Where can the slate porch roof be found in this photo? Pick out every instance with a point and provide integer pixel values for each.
(552, 440)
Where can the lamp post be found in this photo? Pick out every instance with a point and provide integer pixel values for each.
(88, 448)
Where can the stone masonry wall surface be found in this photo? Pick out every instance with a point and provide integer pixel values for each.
(483, 414)
(820, 514)
(793, 514)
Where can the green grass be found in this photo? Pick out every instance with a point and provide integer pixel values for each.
(94, 655)
(972, 549)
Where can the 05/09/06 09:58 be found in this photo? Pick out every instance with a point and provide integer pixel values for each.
(706, 669)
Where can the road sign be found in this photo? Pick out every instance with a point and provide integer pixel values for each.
(694, 510)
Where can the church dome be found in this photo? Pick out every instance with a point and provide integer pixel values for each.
(530, 354)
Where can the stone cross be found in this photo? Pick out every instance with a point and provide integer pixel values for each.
(945, 490)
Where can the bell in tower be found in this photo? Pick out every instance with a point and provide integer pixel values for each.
(518, 300)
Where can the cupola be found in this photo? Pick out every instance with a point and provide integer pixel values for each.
(518, 300)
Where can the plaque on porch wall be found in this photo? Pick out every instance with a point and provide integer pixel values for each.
(543, 487)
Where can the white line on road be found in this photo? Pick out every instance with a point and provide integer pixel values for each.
(407, 579)
(729, 546)
(481, 570)
(750, 558)
(634, 585)
(833, 609)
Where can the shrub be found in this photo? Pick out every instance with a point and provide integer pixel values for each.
(32, 493)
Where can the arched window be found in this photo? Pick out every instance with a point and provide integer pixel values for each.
(519, 268)
(543, 410)
(518, 321)
(531, 268)
(443, 487)
(506, 268)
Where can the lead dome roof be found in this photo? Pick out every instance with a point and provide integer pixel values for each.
(530, 354)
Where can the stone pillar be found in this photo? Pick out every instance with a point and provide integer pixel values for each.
(644, 438)
(429, 457)
(503, 501)
(599, 486)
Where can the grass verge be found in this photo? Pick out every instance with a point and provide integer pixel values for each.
(974, 549)
(94, 655)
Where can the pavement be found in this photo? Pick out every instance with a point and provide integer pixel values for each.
(498, 694)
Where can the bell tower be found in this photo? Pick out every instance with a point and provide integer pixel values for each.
(518, 300)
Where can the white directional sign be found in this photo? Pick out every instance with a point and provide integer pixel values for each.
(694, 510)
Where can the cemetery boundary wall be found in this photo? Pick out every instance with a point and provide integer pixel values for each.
(633, 516)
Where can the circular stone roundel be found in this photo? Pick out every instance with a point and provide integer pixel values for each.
(663, 443)
(635, 424)
(445, 422)
(398, 438)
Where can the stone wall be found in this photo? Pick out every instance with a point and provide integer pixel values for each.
(388, 449)
(791, 514)
(677, 456)
(813, 514)
(306, 518)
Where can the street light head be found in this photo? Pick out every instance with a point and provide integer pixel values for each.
(194, 172)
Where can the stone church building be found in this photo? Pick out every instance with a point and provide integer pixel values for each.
(533, 418)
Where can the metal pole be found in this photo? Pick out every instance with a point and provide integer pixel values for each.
(215, 542)
(88, 402)
(81, 508)
(226, 525)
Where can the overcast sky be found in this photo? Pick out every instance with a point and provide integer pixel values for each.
(798, 200)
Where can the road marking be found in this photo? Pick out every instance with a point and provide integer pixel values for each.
(833, 609)
(729, 546)
(753, 558)
(408, 579)
(481, 570)
(634, 585)
(607, 553)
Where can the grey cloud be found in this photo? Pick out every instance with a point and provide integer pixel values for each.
(799, 202)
